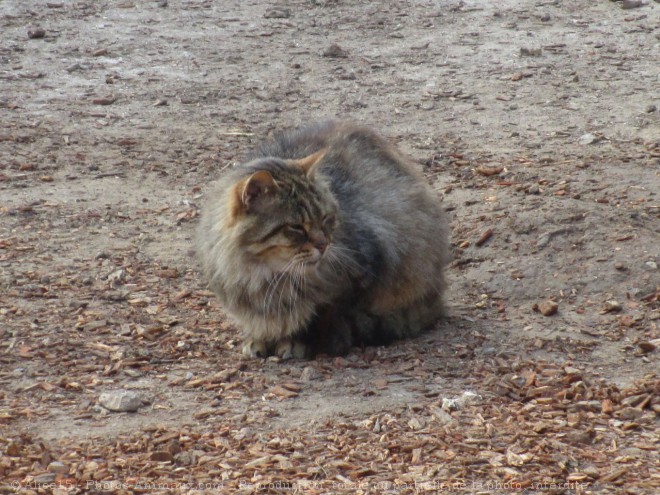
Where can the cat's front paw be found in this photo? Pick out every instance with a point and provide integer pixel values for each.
(291, 348)
(255, 349)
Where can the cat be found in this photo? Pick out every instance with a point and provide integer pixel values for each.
(327, 238)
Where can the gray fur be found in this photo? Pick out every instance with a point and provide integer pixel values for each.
(380, 278)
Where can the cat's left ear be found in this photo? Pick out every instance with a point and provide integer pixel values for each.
(309, 163)
(256, 186)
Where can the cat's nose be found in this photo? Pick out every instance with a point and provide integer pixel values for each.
(320, 243)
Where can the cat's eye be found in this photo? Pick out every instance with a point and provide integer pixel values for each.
(296, 230)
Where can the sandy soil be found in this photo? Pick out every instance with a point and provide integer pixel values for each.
(538, 122)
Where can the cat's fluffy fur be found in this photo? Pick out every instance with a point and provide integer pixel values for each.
(326, 239)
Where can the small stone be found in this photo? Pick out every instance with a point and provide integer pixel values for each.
(620, 266)
(36, 33)
(586, 405)
(578, 437)
(545, 17)
(588, 138)
(631, 4)
(591, 471)
(651, 109)
(633, 400)
(534, 189)
(543, 240)
(186, 458)
(161, 456)
(628, 413)
(468, 398)
(58, 468)
(277, 13)
(651, 265)
(45, 478)
(548, 308)
(13, 450)
(612, 306)
(122, 401)
(531, 52)
(416, 424)
(310, 373)
(335, 51)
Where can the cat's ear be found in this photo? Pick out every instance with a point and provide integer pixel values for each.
(309, 163)
(258, 185)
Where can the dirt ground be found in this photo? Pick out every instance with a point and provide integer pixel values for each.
(538, 122)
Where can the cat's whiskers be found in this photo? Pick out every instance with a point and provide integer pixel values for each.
(272, 288)
(340, 256)
(294, 285)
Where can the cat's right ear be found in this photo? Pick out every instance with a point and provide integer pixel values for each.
(255, 187)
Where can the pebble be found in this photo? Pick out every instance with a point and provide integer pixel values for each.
(58, 468)
(122, 401)
(161, 456)
(467, 398)
(534, 189)
(548, 308)
(612, 306)
(591, 471)
(310, 373)
(335, 51)
(531, 52)
(543, 240)
(36, 33)
(651, 265)
(628, 413)
(631, 4)
(586, 405)
(588, 139)
(42, 479)
(13, 450)
(277, 13)
(101, 255)
(440, 415)
(651, 109)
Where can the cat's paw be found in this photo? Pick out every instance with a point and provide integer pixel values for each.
(291, 348)
(255, 349)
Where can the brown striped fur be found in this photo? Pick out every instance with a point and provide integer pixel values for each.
(325, 239)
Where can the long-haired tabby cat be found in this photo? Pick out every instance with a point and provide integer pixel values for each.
(326, 239)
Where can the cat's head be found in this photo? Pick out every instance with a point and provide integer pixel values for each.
(283, 212)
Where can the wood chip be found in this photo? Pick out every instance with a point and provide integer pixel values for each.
(483, 238)
(283, 392)
(104, 101)
(489, 171)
